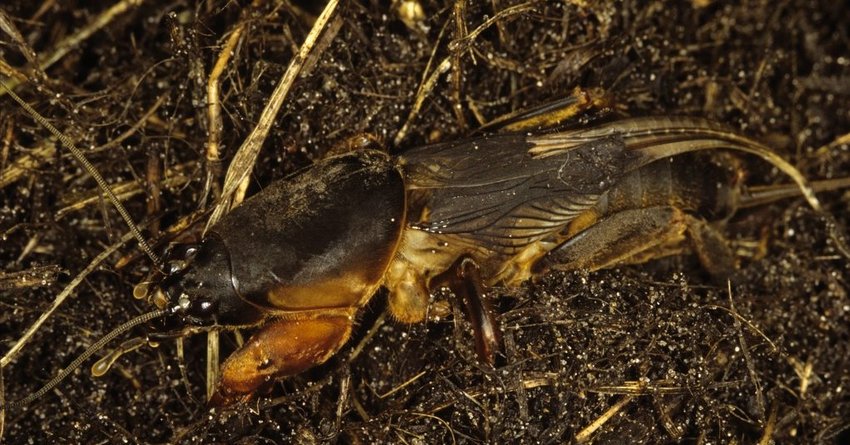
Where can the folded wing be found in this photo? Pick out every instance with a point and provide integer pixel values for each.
(508, 190)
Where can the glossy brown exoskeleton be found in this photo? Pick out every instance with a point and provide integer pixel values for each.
(299, 259)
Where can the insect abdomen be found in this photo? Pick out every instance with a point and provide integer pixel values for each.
(699, 183)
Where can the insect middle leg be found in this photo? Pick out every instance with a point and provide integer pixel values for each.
(408, 301)
(639, 235)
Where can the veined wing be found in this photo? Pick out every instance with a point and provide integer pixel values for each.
(509, 190)
(495, 191)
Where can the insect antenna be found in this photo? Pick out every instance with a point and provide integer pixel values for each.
(97, 346)
(80, 157)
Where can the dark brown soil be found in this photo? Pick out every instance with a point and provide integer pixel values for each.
(675, 357)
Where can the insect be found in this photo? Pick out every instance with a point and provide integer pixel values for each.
(145, 378)
(493, 210)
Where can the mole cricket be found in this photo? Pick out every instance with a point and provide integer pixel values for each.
(472, 214)
(298, 260)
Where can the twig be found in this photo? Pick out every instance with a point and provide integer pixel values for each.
(465, 41)
(445, 424)
(804, 373)
(755, 329)
(456, 47)
(213, 148)
(95, 263)
(745, 350)
(767, 435)
(245, 157)
(423, 91)
(584, 435)
(70, 42)
(2, 402)
(7, 26)
(132, 130)
(368, 337)
(213, 367)
(26, 163)
(402, 386)
(457, 70)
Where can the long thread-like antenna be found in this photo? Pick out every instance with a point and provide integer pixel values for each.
(78, 154)
(97, 346)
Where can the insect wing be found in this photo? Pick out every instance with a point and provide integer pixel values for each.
(496, 192)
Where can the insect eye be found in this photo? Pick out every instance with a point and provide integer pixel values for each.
(175, 267)
(190, 251)
(202, 308)
(179, 257)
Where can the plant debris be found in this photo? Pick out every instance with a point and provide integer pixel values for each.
(655, 353)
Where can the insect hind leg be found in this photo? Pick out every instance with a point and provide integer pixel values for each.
(639, 235)
(464, 280)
